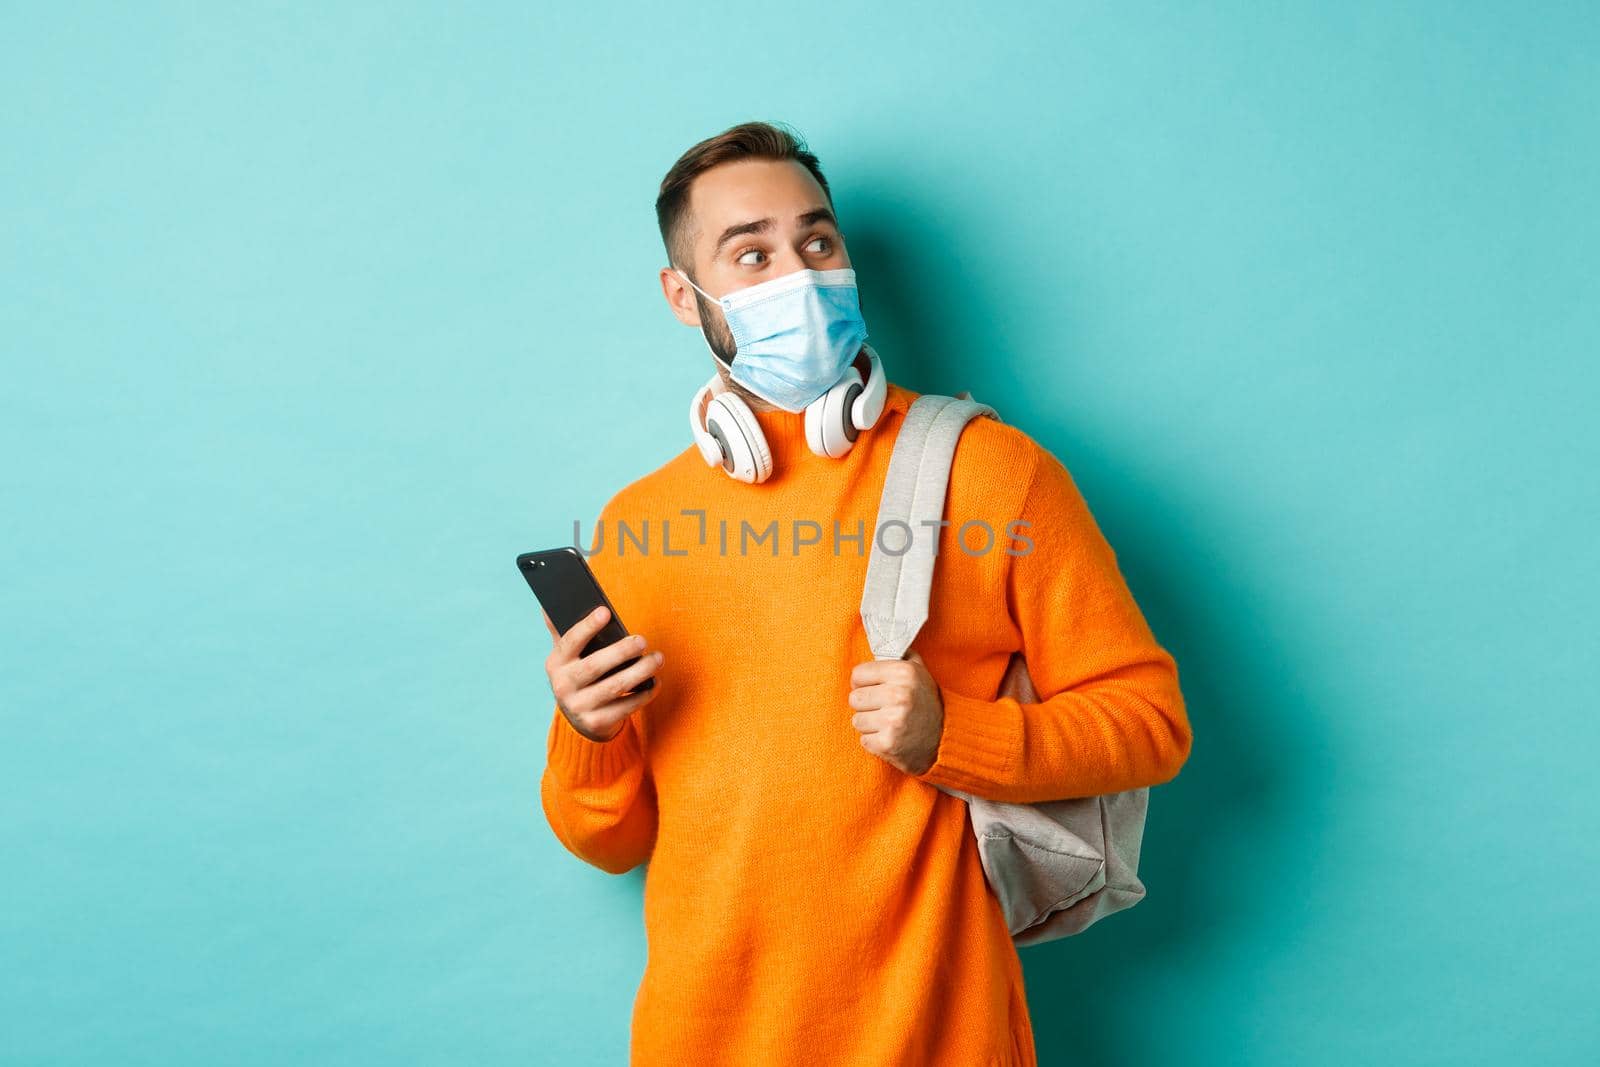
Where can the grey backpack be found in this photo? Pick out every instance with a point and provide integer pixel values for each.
(1055, 866)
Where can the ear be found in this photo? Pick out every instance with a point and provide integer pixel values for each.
(680, 297)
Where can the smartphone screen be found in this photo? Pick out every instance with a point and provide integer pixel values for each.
(568, 592)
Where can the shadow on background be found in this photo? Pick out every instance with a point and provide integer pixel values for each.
(1223, 802)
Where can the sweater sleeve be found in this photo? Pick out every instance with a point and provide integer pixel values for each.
(1110, 716)
(598, 796)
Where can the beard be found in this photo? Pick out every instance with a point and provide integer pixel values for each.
(715, 329)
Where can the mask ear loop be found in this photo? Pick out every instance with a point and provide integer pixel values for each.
(714, 353)
(697, 289)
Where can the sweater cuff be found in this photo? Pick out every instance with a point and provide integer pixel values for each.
(582, 762)
(981, 744)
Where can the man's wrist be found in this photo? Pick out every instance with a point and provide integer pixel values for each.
(585, 734)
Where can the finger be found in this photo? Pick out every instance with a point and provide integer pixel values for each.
(608, 690)
(865, 722)
(632, 677)
(875, 670)
(873, 697)
(605, 720)
(573, 640)
(622, 707)
(586, 669)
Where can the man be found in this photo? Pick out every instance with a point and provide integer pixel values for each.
(811, 898)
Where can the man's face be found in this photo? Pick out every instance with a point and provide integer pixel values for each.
(749, 222)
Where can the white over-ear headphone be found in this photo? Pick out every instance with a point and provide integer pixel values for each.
(730, 437)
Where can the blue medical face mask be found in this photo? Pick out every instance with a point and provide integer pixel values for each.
(796, 334)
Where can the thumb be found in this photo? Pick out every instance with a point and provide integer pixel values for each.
(914, 656)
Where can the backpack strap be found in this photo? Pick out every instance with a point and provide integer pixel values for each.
(894, 602)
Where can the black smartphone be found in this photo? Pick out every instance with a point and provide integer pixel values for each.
(568, 591)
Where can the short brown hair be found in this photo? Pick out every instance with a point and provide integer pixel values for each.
(748, 140)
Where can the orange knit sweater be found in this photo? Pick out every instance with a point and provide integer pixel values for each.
(806, 902)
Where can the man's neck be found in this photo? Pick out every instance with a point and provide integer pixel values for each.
(755, 403)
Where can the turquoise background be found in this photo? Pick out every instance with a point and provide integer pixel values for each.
(313, 317)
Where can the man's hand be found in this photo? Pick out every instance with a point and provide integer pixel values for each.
(899, 711)
(596, 707)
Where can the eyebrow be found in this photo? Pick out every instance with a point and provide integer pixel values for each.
(809, 218)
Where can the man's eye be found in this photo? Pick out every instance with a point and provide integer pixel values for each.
(824, 241)
(751, 252)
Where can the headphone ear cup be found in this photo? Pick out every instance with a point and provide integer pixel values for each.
(746, 455)
(869, 405)
(830, 430)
